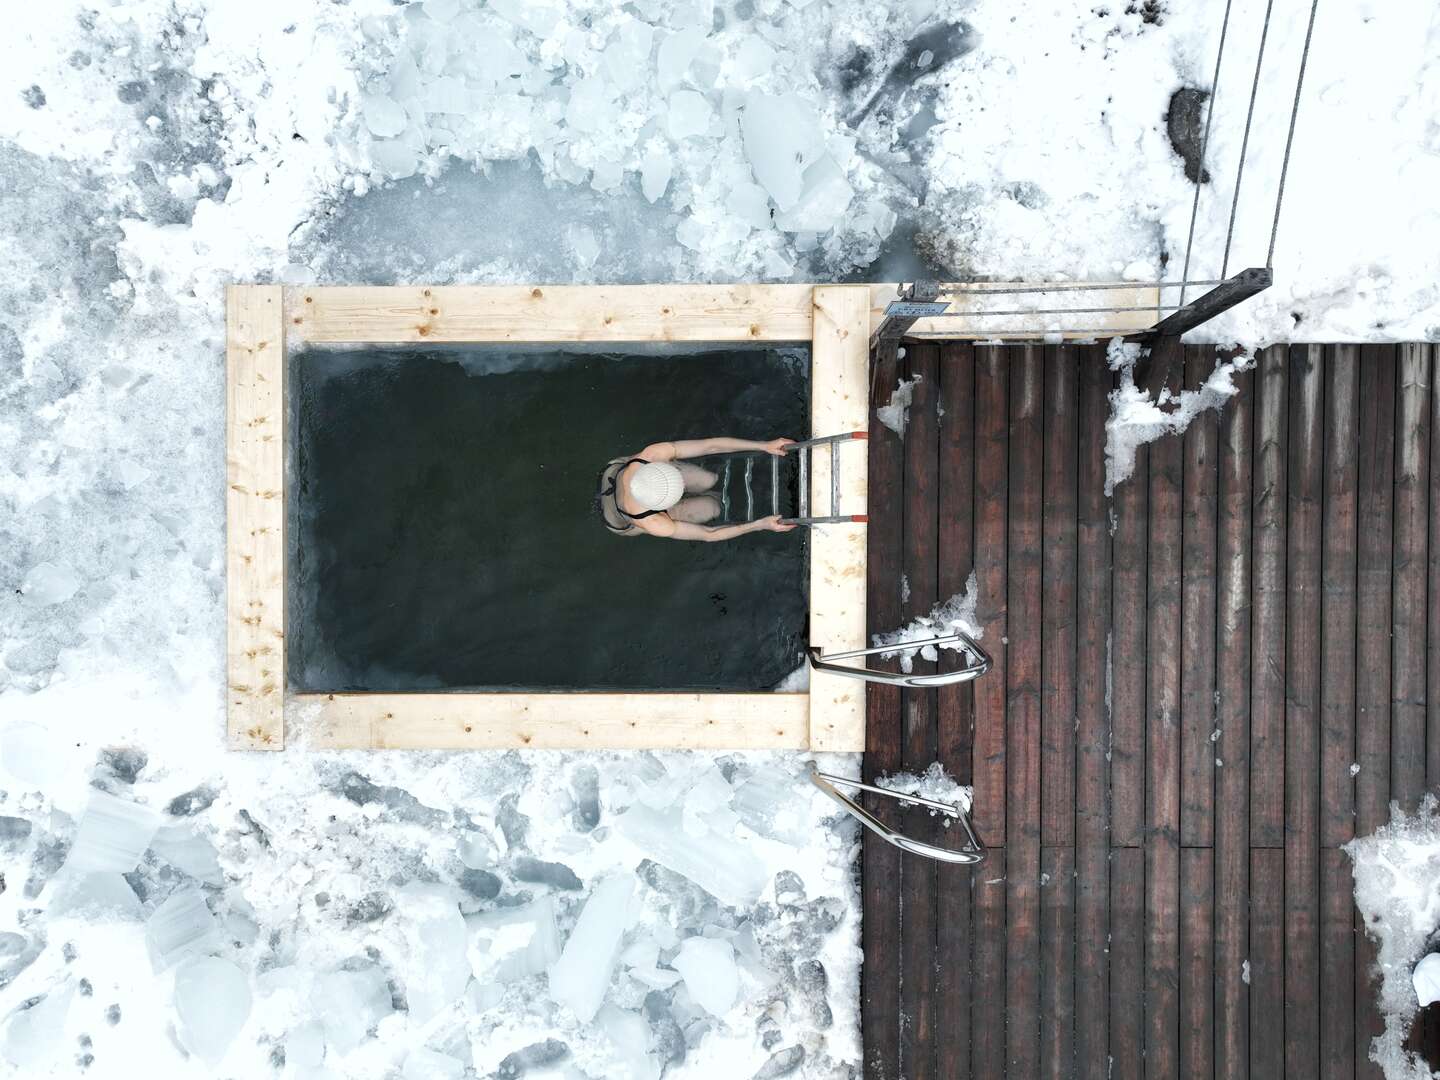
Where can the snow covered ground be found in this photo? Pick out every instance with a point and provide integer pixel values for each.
(152, 150)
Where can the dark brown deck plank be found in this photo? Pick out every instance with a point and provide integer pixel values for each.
(1432, 679)
(1197, 963)
(1337, 672)
(1092, 735)
(1369, 1024)
(1232, 684)
(1127, 962)
(1129, 582)
(1337, 967)
(1267, 963)
(1162, 731)
(1022, 780)
(1267, 616)
(987, 1008)
(1197, 677)
(1057, 962)
(1375, 477)
(920, 563)
(992, 485)
(956, 704)
(1058, 560)
(1304, 534)
(1410, 576)
(880, 862)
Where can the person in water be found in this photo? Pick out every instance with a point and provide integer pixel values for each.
(662, 493)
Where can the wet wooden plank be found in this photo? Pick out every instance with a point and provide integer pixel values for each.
(1410, 576)
(1304, 535)
(1129, 583)
(1092, 736)
(992, 485)
(1432, 703)
(1267, 617)
(987, 1008)
(1162, 730)
(1375, 477)
(1197, 962)
(1022, 721)
(1337, 669)
(956, 704)
(1197, 675)
(1057, 962)
(1267, 963)
(919, 594)
(880, 862)
(1127, 962)
(1058, 559)
(1337, 1049)
(1232, 780)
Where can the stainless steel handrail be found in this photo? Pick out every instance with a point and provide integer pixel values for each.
(980, 663)
(970, 855)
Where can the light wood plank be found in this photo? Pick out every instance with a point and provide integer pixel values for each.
(255, 516)
(556, 721)
(550, 313)
(839, 393)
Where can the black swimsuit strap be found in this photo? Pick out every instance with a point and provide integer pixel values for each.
(614, 493)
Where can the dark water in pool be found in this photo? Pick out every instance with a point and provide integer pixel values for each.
(443, 536)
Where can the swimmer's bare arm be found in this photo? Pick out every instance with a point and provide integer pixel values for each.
(665, 526)
(721, 444)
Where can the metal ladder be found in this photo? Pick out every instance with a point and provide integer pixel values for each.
(802, 452)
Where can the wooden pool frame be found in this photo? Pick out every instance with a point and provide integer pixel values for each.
(264, 321)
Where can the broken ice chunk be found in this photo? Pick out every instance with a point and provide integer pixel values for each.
(537, 872)
(29, 755)
(305, 1047)
(783, 138)
(721, 865)
(394, 158)
(753, 59)
(384, 116)
(476, 849)
(708, 967)
(676, 53)
(112, 836)
(187, 851)
(630, 1039)
(582, 974)
(772, 803)
(50, 583)
(429, 1065)
(512, 943)
(435, 969)
(825, 197)
(655, 168)
(93, 895)
(181, 927)
(690, 114)
(446, 94)
(592, 106)
(34, 1036)
(1426, 977)
(627, 57)
(350, 1003)
(212, 998)
(750, 204)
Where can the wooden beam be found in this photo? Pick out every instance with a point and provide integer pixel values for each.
(425, 314)
(255, 516)
(839, 393)
(556, 721)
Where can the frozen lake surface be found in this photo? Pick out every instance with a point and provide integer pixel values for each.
(551, 915)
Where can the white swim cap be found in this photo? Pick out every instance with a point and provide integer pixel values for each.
(657, 485)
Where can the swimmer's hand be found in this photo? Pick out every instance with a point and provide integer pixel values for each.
(774, 523)
(776, 446)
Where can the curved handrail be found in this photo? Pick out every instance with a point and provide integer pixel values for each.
(980, 663)
(971, 855)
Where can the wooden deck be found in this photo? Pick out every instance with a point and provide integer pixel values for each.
(1203, 685)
